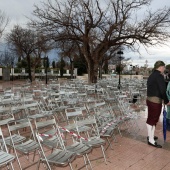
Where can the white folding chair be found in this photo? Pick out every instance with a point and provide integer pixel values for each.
(53, 138)
(29, 145)
(49, 136)
(6, 159)
(94, 140)
(76, 113)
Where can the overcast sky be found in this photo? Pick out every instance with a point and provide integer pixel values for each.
(16, 10)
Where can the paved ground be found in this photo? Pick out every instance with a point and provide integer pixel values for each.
(130, 152)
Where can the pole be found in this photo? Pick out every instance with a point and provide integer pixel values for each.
(46, 58)
(131, 71)
(119, 72)
(119, 53)
(12, 70)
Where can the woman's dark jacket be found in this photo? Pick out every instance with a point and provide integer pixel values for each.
(156, 86)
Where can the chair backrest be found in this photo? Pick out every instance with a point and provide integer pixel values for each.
(73, 113)
(27, 98)
(44, 121)
(91, 122)
(103, 110)
(3, 145)
(5, 108)
(16, 127)
(5, 118)
(100, 103)
(26, 109)
(47, 129)
(91, 105)
(81, 106)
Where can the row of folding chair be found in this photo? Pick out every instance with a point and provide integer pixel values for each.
(103, 112)
(43, 107)
(94, 105)
(76, 113)
(21, 143)
(128, 114)
(53, 138)
(48, 133)
(28, 146)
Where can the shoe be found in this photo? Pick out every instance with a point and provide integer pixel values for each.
(155, 138)
(155, 145)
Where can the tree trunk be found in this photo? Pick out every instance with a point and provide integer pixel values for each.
(72, 68)
(33, 74)
(100, 70)
(92, 72)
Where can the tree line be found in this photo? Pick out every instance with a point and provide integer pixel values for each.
(92, 30)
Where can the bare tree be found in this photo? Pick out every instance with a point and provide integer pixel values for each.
(96, 27)
(70, 50)
(7, 59)
(3, 22)
(28, 44)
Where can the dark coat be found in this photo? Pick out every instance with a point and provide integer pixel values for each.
(156, 86)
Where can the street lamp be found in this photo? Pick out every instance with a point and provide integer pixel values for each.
(46, 58)
(120, 58)
(131, 70)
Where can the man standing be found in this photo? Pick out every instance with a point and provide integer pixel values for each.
(156, 96)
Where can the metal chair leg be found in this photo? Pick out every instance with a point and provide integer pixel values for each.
(104, 154)
(89, 161)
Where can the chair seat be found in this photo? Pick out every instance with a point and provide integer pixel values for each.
(5, 158)
(5, 121)
(27, 146)
(16, 139)
(79, 148)
(60, 157)
(107, 133)
(82, 129)
(51, 142)
(53, 131)
(61, 108)
(94, 142)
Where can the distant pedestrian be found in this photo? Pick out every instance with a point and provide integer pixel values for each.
(156, 96)
(166, 77)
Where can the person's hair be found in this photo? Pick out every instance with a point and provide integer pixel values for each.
(158, 64)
